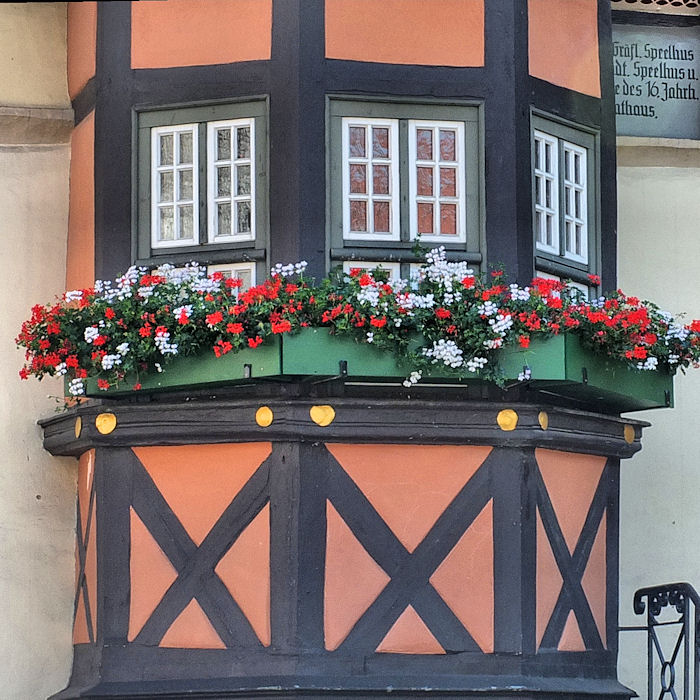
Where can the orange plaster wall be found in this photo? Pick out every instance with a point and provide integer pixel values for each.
(82, 40)
(438, 33)
(186, 33)
(80, 260)
(564, 43)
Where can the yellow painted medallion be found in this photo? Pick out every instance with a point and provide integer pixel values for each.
(78, 427)
(543, 419)
(264, 416)
(629, 433)
(105, 423)
(507, 419)
(322, 415)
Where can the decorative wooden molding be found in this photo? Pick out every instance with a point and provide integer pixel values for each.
(665, 7)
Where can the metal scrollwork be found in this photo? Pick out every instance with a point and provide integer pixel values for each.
(673, 641)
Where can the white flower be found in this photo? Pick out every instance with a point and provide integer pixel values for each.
(519, 293)
(445, 351)
(501, 324)
(475, 363)
(74, 295)
(76, 387)
(109, 361)
(186, 309)
(370, 337)
(61, 369)
(123, 348)
(90, 333)
(488, 308)
(412, 379)
(649, 364)
(162, 342)
(525, 375)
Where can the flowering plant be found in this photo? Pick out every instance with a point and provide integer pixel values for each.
(145, 318)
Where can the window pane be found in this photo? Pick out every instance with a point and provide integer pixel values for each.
(357, 142)
(381, 217)
(425, 182)
(381, 179)
(569, 236)
(166, 149)
(538, 227)
(223, 144)
(579, 240)
(185, 147)
(358, 215)
(243, 134)
(185, 184)
(448, 219)
(166, 186)
(548, 194)
(548, 157)
(223, 181)
(425, 217)
(448, 182)
(223, 212)
(167, 232)
(186, 229)
(577, 169)
(577, 199)
(243, 179)
(539, 186)
(567, 163)
(448, 145)
(550, 230)
(538, 154)
(380, 142)
(424, 144)
(243, 217)
(358, 178)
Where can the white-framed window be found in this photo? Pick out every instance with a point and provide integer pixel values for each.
(201, 182)
(244, 271)
(174, 186)
(575, 202)
(371, 179)
(231, 180)
(437, 191)
(393, 268)
(564, 197)
(546, 179)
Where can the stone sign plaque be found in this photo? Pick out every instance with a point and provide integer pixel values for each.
(657, 81)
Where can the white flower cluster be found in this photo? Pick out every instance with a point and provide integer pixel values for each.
(525, 375)
(488, 308)
(369, 294)
(109, 361)
(162, 341)
(443, 272)
(123, 348)
(75, 295)
(288, 270)
(501, 324)
(204, 284)
(145, 291)
(181, 275)
(650, 363)
(76, 387)
(519, 293)
(90, 333)
(412, 379)
(475, 363)
(415, 301)
(445, 351)
(673, 359)
(493, 343)
(676, 330)
(187, 309)
(370, 337)
(61, 369)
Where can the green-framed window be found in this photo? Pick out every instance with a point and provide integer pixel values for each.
(201, 182)
(402, 170)
(565, 196)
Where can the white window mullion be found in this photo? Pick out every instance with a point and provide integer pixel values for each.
(576, 211)
(370, 175)
(437, 189)
(231, 180)
(174, 186)
(546, 193)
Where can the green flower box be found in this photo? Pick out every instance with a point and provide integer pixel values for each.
(559, 366)
(562, 366)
